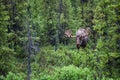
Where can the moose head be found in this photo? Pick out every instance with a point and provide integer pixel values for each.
(81, 36)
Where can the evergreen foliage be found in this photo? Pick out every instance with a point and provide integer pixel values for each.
(100, 60)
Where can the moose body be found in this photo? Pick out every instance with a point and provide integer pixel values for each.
(81, 37)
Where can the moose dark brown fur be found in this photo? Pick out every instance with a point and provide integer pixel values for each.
(81, 36)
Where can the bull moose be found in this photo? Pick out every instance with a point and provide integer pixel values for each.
(81, 36)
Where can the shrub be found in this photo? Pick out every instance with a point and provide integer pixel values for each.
(14, 76)
(73, 73)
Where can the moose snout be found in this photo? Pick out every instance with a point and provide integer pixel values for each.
(78, 46)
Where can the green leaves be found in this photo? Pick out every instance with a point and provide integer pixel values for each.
(103, 16)
(7, 60)
(99, 44)
(72, 72)
(14, 76)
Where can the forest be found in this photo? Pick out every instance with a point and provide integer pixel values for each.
(33, 45)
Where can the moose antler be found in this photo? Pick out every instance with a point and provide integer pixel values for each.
(88, 30)
(68, 33)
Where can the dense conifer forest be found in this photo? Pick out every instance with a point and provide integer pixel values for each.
(33, 45)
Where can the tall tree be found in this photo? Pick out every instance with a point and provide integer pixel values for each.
(6, 54)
